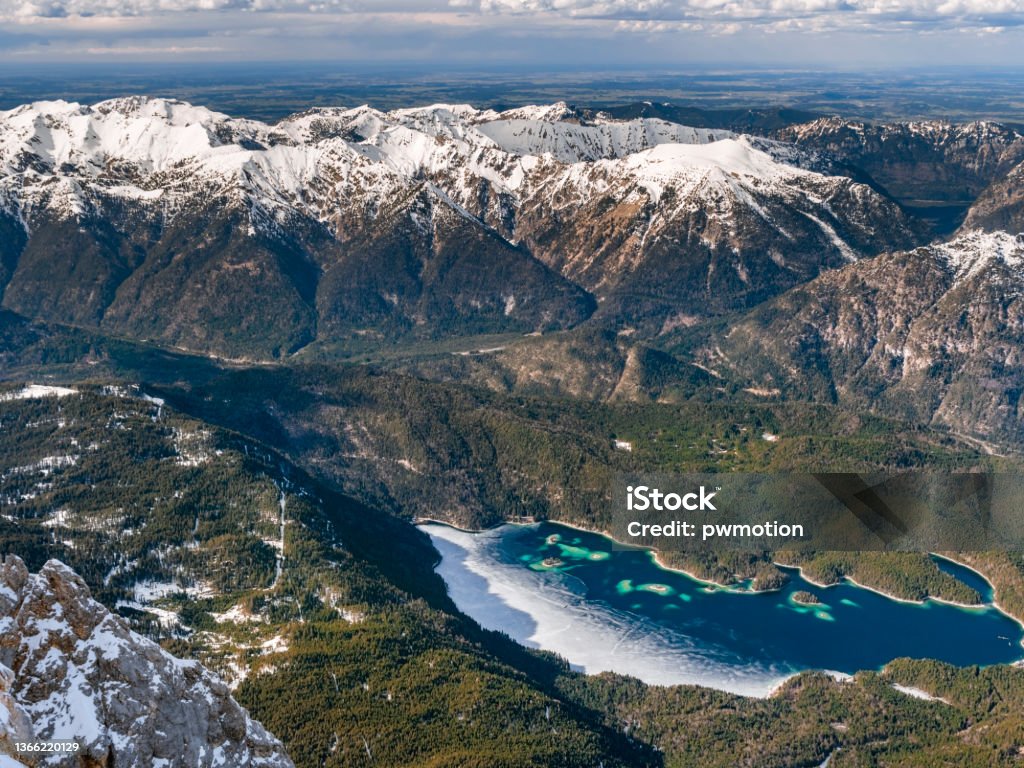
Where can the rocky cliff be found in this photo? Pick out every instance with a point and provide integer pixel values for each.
(933, 335)
(71, 670)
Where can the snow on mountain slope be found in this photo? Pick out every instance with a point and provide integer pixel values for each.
(69, 158)
(155, 134)
(120, 204)
(15, 725)
(971, 253)
(573, 143)
(316, 161)
(691, 164)
(547, 113)
(712, 177)
(939, 133)
(79, 674)
(715, 226)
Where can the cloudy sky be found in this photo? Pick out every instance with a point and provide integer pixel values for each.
(534, 33)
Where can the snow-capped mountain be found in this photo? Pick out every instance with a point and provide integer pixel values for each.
(925, 161)
(139, 148)
(72, 671)
(933, 335)
(1001, 206)
(157, 218)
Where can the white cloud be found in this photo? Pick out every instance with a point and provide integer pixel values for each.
(64, 8)
(664, 32)
(820, 15)
(149, 50)
(624, 10)
(27, 9)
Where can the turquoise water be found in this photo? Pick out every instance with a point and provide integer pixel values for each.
(760, 633)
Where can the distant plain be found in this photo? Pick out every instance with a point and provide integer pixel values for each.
(270, 92)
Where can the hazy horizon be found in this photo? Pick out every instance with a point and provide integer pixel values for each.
(270, 91)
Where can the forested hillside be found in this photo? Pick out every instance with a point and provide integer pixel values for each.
(352, 653)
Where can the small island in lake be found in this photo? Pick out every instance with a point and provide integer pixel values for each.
(804, 598)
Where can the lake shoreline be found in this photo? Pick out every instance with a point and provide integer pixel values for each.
(593, 659)
(506, 528)
(656, 557)
(995, 600)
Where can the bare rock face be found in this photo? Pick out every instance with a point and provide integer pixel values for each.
(1001, 206)
(933, 159)
(933, 335)
(15, 725)
(80, 674)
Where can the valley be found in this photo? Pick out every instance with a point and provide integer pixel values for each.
(241, 356)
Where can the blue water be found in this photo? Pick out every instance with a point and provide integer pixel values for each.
(972, 579)
(851, 629)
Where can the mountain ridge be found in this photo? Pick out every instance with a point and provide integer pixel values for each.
(932, 335)
(159, 204)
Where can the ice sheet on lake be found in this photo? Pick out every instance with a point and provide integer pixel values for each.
(542, 610)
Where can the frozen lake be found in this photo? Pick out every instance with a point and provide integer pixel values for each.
(568, 591)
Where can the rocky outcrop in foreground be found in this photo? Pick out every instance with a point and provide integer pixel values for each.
(71, 670)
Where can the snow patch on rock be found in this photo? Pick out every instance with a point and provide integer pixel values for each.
(81, 674)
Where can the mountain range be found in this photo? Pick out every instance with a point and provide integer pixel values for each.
(161, 220)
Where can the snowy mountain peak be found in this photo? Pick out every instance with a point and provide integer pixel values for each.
(440, 110)
(937, 132)
(730, 155)
(574, 143)
(172, 111)
(128, 139)
(152, 134)
(545, 113)
(66, 157)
